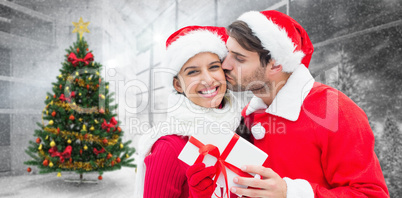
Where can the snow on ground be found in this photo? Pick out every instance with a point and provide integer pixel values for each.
(117, 184)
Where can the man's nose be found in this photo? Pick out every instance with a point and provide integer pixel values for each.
(227, 63)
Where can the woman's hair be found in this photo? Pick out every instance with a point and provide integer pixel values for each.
(240, 31)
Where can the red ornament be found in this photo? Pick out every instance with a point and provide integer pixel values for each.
(97, 85)
(112, 163)
(101, 111)
(76, 80)
(71, 160)
(54, 113)
(109, 156)
(54, 96)
(87, 49)
(29, 169)
(86, 136)
(78, 49)
(45, 162)
(100, 80)
(87, 87)
(105, 141)
(119, 129)
(118, 160)
(71, 117)
(58, 130)
(38, 140)
(80, 151)
(60, 86)
(100, 177)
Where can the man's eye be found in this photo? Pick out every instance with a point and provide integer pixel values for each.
(239, 60)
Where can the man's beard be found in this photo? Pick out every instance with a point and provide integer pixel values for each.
(255, 82)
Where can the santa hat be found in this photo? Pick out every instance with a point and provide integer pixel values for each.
(191, 40)
(287, 41)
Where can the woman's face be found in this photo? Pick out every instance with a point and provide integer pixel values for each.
(202, 80)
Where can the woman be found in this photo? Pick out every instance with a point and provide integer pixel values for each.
(194, 54)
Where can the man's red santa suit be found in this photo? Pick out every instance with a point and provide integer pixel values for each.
(317, 138)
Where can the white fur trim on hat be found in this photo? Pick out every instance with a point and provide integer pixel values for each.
(274, 39)
(191, 44)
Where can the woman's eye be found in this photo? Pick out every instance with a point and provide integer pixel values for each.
(192, 72)
(215, 67)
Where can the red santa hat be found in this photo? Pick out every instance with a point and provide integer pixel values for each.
(191, 40)
(286, 39)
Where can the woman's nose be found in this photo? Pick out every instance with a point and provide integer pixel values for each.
(208, 79)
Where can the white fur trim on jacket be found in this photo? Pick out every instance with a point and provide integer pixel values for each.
(186, 118)
(274, 39)
(195, 42)
(298, 188)
(289, 100)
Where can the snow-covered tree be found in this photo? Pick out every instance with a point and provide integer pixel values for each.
(392, 155)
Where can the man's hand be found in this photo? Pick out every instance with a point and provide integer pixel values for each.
(270, 185)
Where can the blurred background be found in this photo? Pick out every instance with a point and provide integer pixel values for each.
(358, 47)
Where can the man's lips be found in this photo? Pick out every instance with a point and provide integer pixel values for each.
(228, 77)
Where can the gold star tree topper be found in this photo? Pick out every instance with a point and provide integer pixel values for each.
(81, 27)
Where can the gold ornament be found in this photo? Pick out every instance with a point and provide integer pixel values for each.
(47, 137)
(97, 73)
(51, 122)
(58, 174)
(69, 141)
(79, 94)
(80, 119)
(81, 27)
(93, 63)
(77, 74)
(86, 71)
(52, 144)
(92, 128)
(60, 76)
(107, 86)
(40, 147)
(85, 147)
(127, 156)
(96, 121)
(47, 97)
(67, 88)
(47, 112)
(90, 78)
(84, 128)
(50, 164)
(102, 96)
(121, 146)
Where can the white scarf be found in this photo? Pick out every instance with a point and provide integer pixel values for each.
(186, 118)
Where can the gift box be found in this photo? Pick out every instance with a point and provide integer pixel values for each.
(227, 151)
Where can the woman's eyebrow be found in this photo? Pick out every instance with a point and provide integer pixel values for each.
(214, 62)
(189, 67)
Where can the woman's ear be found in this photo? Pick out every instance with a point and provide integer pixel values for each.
(177, 85)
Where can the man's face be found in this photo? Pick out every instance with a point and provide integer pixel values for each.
(243, 69)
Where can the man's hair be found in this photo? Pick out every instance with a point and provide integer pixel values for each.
(240, 31)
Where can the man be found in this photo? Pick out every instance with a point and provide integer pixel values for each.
(319, 142)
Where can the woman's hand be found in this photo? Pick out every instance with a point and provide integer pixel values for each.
(270, 185)
(200, 181)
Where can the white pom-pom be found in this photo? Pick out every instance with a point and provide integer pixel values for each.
(258, 131)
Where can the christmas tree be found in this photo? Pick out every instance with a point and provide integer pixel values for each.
(79, 131)
(391, 155)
